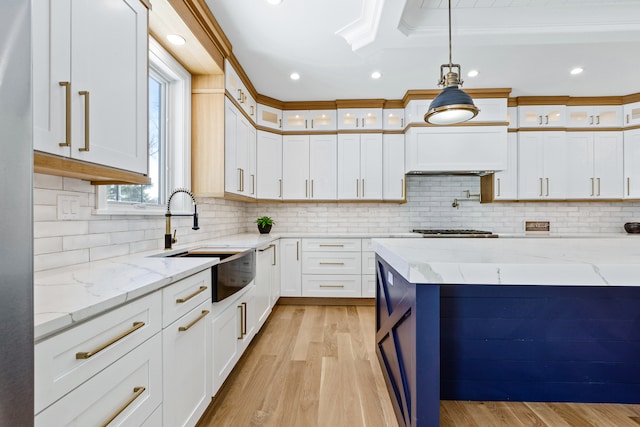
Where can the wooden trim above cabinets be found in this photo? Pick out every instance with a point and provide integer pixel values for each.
(628, 99)
(146, 3)
(594, 100)
(394, 103)
(474, 93)
(463, 124)
(72, 168)
(541, 100)
(360, 103)
(309, 105)
(243, 76)
(269, 102)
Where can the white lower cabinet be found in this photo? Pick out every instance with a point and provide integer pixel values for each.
(290, 268)
(632, 163)
(275, 273)
(266, 258)
(125, 393)
(233, 327)
(331, 267)
(331, 285)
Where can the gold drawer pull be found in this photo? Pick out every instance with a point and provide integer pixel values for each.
(331, 245)
(88, 354)
(137, 391)
(331, 263)
(332, 286)
(87, 120)
(188, 297)
(196, 320)
(67, 112)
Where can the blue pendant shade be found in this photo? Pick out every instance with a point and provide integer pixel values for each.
(451, 106)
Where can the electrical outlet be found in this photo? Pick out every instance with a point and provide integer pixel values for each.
(68, 207)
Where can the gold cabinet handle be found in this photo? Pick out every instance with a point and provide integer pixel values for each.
(85, 93)
(547, 186)
(137, 391)
(241, 323)
(402, 187)
(362, 187)
(252, 110)
(628, 185)
(312, 189)
(280, 188)
(546, 119)
(239, 179)
(274, 254)
(297, 250)
(592, 186)
(331, 245)
(67, 113)
(240, 95)
(540, 123)
(402, 122)
(357, 188)
(280, 120)
(244, 318)
(305, 124)
(331, 263)
(88, 354)
(598, 179)
(540, 187)
(253, 184)
(498, 182)
(332, 286)
(598, 120)
(590, 120)
(188, 297)
(311, 123)
(627, 119)
(306, 188)
(196, 320)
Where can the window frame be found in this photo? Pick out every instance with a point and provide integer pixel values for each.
(178, 139)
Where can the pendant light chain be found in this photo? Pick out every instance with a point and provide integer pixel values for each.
(450, 49)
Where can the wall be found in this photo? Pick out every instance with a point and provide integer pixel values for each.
(429, 198)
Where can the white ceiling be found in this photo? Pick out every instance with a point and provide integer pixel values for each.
(527, 45)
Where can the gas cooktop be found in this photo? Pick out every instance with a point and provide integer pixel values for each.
(438, 232)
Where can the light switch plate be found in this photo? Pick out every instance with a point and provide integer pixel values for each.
(68, 207)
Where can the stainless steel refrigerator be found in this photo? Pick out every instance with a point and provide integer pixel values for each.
(16, 215)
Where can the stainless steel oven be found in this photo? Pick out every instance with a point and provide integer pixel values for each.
(236, 269)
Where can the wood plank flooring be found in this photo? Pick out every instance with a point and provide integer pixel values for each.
(316, 366)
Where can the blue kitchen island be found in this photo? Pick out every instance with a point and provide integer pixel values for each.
(520, 319)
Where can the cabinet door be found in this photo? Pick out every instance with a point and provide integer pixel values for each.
(632, 163)
(322, 120)
(632, 114)
(555, 164)
(293, 120)
(608, 167)
(348, 166)
(51, 35)
(262, 297)
(269, 165)
(393, 184)
(323, 167)
(291, 268)
(226, 334)
(243, 134)
(542, 116)
(232, 172)
(371, 166)
(506, 181)
(295, 167)
(186, 370)
(115, 106)
(393, 119)
(594, 116)
(360, 118)
(251, 184)
(580, 178)
(269, 117)
(275, 273)
(530, 165)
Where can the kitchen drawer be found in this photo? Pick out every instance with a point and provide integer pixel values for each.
(337, 285)
(133, 384)
(59, 364)
(182, 296)
(331, 263)
(369, 285)
(331, 245)
(368, 263)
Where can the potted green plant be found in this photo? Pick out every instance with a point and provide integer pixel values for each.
(264, 224)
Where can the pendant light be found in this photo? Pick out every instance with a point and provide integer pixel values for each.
(452, 105)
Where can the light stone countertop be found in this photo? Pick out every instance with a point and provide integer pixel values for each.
(608, 261)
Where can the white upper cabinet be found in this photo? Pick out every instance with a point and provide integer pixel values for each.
(491, 110)
(269, 117)
(360, 166)
(594, 116)
(238, 91)
(505, 186)
(269, 165)
(632, 114)
(240, 153)
(309, 120)
(309, 167)
(415, 110)
(393, 119)
(98, 112)
(594, 165)
(542, 165)
(532, 116)
(632, 164)
(512, 117)
(393, 181)
(360, 118)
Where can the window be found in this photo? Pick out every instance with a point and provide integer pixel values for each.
(169, 137)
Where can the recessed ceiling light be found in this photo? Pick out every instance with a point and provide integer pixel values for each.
(295, 76)
(376, 75)
(176, 39)
(576, 70)
(472, 73)
(274, 2)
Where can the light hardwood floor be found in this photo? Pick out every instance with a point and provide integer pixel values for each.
(316, 366)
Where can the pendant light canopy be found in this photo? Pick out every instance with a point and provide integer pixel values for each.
(452, 105)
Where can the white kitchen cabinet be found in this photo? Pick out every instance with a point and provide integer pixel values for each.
(269, 165)
(393, 178)
(309, 167)
(233, 328)
(186, 349)
(238, 91)
(126, 393)
(275, 273)
(290, 268)
(240, 152)
(269, 117)
(84, 107)
(415, 110)
(332, 285)
(632, 114)
(331, 267)
(187, 365)
(594, 165)
(265, 261)
(491, 110)
(542, 161)
(393, 119)
(632, 164)
(512, 117)
(456, 148)
(309, 120)
(594, 116)
(360, 166)
(360, 118)
(536, 116)
(368, 269)
(505, 186)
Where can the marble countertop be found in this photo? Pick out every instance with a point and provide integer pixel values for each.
(602, 261)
